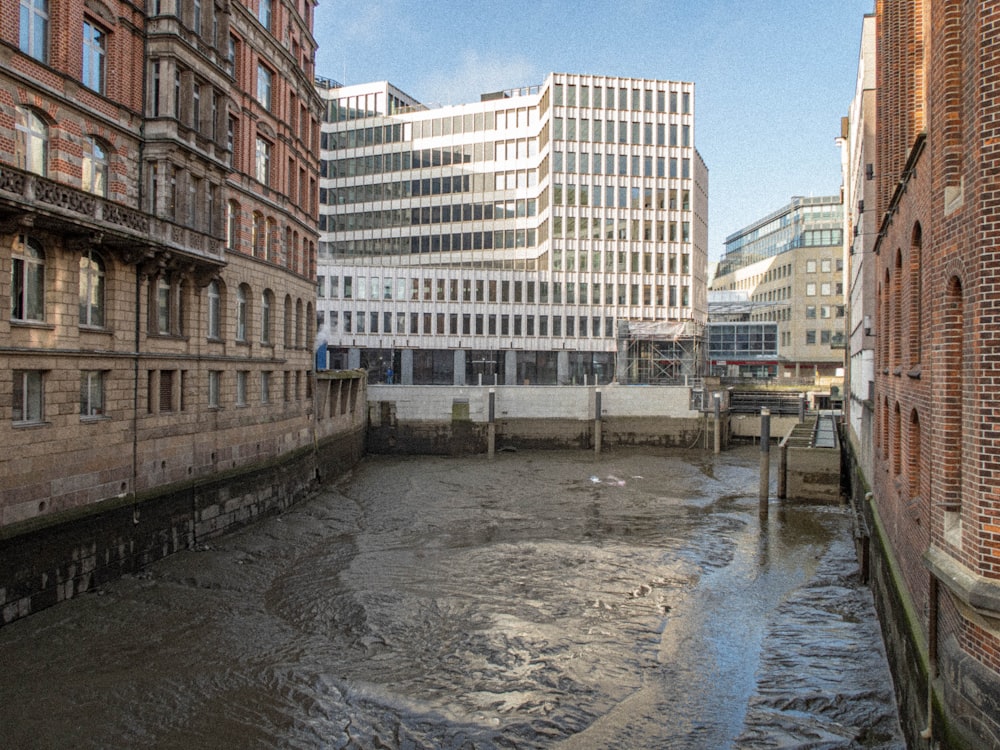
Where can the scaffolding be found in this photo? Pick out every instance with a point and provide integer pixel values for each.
(659, 352)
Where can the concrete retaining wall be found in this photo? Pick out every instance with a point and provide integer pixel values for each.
(57, 557)
(454, 420)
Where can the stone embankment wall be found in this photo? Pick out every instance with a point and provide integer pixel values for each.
(453, 420)
(49, 559)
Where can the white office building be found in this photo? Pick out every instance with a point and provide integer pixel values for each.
(553, 234)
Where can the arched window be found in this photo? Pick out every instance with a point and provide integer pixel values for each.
(298, 324)
(269, 232)
(265, 316)
(27, 293)
(241, 313)
(259, 230)
(896, 301)
(31, 141)
(91, 289)
(288, 321)
(948, 467)
(214, 310)
(95, 166)
(914, 464)
(916, 295)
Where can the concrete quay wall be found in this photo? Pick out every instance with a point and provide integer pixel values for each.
(56, 558)
(454, 420)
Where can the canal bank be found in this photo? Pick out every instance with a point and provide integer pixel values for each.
(236, 478)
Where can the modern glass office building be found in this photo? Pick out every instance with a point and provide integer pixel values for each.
(539, 235)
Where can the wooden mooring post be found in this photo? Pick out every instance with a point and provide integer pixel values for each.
(765, 460)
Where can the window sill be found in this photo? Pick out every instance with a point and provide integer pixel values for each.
(914, 374)
(979, 593)
(30, 425)
(94, 419)
(37, 324)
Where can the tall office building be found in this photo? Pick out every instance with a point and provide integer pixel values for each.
(552, 234)
(790, 267)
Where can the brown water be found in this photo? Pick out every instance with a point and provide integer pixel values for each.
(537, 600)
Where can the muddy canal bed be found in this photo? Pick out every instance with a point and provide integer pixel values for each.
(538, 600)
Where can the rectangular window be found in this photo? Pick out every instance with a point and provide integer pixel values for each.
(811, 289)
(810, 337)
(264, 13)
(92, 393)
(214, 388)
(264, 86)
(28, 397)
(265, 387)
(263, 161)
(94, 53)
(34, 29)
(241, 387)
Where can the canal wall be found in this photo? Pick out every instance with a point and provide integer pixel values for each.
(455, 420)
(49, 559)
(963, 695)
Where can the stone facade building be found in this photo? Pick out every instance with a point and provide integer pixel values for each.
(933, 507)
(158, 205)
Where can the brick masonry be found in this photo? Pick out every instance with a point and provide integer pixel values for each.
(936, 465)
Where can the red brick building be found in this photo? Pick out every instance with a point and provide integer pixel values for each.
(158, 205)
(935, 492)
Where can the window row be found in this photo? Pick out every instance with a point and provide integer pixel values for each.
(35, 39)
(167, 297)
(31, 151)
(827, 337)
(620, 196)
(503, 291)
(427, 215)
(825, 288)
(612, 97)
(263, 239)
(467, 324)
(621, 164)
(634, 230)
(825, 265)
(166, 391)
(500, 239)
(621, 131)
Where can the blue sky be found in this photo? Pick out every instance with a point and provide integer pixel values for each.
(772, 78)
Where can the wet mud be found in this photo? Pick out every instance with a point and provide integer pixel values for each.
(538, 600)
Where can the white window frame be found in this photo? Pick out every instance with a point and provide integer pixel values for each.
(27, 297)
(95, 54)
(92, 288)
(95, 167)
(91, 394)
(262, 161)
(34, 29)
(214, 294)
(241, 314)
(265, 89)
(31, 142)
(28, 401)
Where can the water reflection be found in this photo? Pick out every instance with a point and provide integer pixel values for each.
(462, 603)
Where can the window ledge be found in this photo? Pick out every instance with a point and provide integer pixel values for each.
(914, 374)
(39, 324)
(30, 425)
(898, 371)
(94, 418)
(979, 593)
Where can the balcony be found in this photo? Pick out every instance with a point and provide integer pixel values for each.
(27, 199)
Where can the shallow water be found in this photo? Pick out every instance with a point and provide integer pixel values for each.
(536, 600)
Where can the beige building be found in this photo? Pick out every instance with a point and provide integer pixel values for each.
(789, 265)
